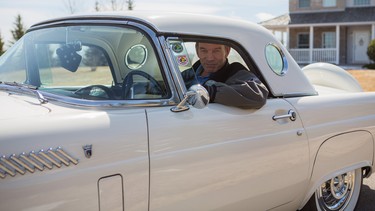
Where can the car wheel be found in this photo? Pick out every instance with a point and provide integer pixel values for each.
(339, 193)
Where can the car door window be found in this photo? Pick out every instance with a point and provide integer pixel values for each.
(221, 69)
(185, 54)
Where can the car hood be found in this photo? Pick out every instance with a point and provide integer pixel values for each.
(15, 106)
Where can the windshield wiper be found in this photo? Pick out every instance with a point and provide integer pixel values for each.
(27, 88)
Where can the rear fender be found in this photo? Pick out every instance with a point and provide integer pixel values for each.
(340, 154)
(329, 75)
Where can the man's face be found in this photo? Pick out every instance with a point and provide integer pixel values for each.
(212, 56)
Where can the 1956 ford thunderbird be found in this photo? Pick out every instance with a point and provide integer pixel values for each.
(95, 115)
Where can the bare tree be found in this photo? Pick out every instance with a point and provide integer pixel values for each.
(71, 6)
(117, 5)
(130, 4)
(114, 5)
(97, 6)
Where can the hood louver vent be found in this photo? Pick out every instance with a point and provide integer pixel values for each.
(34, 160)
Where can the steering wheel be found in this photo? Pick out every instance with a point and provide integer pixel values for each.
(128, 83)
(95, 92)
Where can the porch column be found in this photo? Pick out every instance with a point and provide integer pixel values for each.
(337, 44)
(373, 31)
(287, 38)
(285, 35)
(311, 43)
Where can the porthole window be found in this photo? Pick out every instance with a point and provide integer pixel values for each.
(136, 57)
(276, 59)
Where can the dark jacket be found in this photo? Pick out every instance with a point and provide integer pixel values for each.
(232, 85)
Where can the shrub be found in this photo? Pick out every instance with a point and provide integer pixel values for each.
(371, 50)
(369, 66)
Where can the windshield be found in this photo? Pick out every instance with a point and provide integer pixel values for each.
(86, 62)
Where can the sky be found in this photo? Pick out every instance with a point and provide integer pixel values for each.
(34, 11)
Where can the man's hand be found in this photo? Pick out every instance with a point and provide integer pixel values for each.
(211, 89)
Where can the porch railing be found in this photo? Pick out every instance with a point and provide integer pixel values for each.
(302, 56)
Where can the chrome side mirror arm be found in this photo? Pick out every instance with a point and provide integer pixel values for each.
(197, 96)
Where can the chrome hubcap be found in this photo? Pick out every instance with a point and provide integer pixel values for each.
(336, 193)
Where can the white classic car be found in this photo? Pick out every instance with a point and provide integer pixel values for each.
(95, 115)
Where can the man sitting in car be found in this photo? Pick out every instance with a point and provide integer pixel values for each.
(228, 84)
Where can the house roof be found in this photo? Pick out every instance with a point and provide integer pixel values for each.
(282, 20)
(358, 14)
(362, 14)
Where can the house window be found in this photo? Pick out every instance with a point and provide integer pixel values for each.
(361, 2)
(303, 3)
(329, 3)
(329, 40)
(303, 40)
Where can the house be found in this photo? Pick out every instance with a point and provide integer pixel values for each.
(334, 31)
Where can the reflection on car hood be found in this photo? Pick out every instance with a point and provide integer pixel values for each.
(324, 90)
(15, 106)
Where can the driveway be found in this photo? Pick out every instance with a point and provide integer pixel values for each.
(366, 201)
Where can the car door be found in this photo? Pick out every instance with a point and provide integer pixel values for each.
(226, 158)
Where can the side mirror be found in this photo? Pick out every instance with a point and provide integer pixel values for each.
(197, 96)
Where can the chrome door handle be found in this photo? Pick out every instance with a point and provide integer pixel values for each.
(291, 115)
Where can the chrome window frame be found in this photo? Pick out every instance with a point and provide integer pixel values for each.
(285, 66)
(105, 104)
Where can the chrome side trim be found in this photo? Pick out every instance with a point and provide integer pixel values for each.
(34, 160)
(40, 160)
(21, 163)
(53, 153)
(51, 160)
(7, 171)
(34, 164)
(14, 167)
(60, 150)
